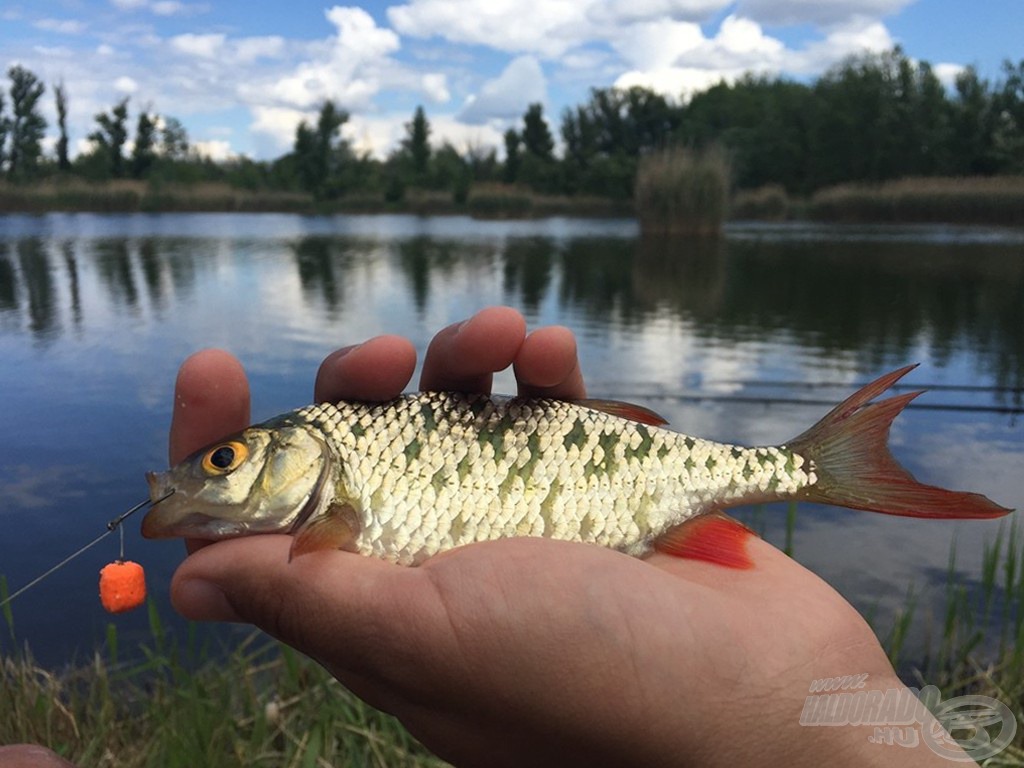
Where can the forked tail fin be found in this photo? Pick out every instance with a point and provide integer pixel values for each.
(851, 459)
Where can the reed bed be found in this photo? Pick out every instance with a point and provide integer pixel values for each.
(682, 191)
(126, 196)
(995, 200)
(767, 203)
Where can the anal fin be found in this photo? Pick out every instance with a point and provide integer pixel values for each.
(712, 537)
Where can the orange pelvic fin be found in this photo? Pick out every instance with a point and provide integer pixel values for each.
(336, 528)
(850, 456)
(712, 537)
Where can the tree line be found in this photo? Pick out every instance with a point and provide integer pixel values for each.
(871, 118)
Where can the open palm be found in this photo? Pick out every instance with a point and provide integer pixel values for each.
(532, 651)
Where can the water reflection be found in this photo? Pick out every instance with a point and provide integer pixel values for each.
(878, 301)
(117, 302)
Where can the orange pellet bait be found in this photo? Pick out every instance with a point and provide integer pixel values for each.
(122, 586)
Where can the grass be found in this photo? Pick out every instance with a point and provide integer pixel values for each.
(263, 704)
(962, 657)
(682, 191)
(977, 200)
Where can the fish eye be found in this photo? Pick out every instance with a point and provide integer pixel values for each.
(224, 458)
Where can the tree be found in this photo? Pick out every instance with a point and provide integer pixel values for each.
(111, 137)
(5, 128)
(973, 122)
(143, 153)
(449, 170)
(173, 139)
(537, 166)
(319, 152)
(27, 125)
(416, 144)
(604, 138)
(60, 94)
(1009, 130)
(537, 139)
(513, 142)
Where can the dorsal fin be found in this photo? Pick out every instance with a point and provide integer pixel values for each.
(623, 410)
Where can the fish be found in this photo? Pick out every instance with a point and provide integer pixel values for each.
(423, 473)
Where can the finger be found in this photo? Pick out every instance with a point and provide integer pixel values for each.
(547, 365)
(334, 606)
(378, 369)
(211, 399)
(462, 357)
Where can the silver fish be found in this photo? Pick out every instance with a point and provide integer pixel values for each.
(423, 473)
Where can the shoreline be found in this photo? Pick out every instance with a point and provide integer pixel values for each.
(978, 200)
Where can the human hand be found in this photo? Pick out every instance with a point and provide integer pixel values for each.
(531, 651)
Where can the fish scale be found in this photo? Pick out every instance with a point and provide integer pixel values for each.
(493, 467)
(423, 473)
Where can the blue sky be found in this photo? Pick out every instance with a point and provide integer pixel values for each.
(240, 75)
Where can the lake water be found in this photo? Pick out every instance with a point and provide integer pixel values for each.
(748, 339)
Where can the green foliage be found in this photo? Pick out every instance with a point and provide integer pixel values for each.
(143, 153)
(605, 137)
(109, 140)
(61, 97)
(869, 120)
(416, 145)
(5, 128)
(26, 125)
(173, 139)
(320, 152)
(536, 136)
(513, 155)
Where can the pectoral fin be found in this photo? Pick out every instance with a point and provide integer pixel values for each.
(336, 528)
(712, 537)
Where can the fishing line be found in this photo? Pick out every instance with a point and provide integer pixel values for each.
(113, 525)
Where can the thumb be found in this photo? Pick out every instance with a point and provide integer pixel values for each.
(318, 603)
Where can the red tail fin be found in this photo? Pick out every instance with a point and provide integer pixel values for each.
(855, 469)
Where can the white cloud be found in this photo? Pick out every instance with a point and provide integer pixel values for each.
(545, 27)
(205, 46)
(677, 60)
(676, 82)
(277, 124)
(125, 84)
(104, 50)
(506, 97)
(622, 11)
(168, 8)
(948, 73)
(350, 72)
(657, 44)
(215, 149)
(436, 87)
(61, 26)
(249, 49)
(817, 12)
(860, 35)
(161, 7)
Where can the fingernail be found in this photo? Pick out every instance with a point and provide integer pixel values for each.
(200, 600)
